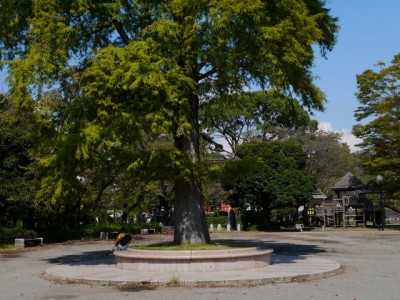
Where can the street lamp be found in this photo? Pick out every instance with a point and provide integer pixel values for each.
(379, 180)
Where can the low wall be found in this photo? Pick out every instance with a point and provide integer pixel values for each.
(193, 261)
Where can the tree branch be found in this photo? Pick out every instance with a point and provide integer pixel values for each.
(121, 31)
(208, 73)
(217, 147)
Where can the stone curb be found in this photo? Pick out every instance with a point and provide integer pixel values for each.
(282, 270)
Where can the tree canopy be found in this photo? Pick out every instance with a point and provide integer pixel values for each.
(240, 118)
(123, 71)
(15, 142)
(328, 159)
(271, 176)
(379, 128)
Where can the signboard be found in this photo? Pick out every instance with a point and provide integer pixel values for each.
(319, 211)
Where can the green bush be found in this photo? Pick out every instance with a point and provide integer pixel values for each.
(223, 220)
(250, 218)
(254, 228)
(54, 235)
(9, 234)
(93, 231)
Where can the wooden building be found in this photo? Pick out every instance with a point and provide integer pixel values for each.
(350, 206)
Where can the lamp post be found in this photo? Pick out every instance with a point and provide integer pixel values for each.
(379, 180)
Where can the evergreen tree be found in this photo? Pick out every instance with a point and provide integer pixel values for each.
(379, 114)
(270, 176)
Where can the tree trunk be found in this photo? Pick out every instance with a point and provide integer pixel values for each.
(189, 217)
(190, 222)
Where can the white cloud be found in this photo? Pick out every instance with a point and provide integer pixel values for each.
(325, 126)
(347, 136)
(350, 139)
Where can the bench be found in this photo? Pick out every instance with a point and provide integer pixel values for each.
(299, 227)
(30, 242)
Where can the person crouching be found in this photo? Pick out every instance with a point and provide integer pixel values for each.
(122, 241)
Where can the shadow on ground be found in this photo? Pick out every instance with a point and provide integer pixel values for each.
(296, 251)
(281, 248)
(85, 258)
(292, 252)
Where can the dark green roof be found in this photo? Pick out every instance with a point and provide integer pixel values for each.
(348, 182)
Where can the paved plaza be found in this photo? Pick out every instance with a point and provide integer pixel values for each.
(360, 264)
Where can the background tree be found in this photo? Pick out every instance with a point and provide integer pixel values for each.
(379, 111)
(328, 159)
(271, 176)
(239, 118)
(16, 184)
(142, 66)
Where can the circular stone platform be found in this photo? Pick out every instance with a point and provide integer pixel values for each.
(283, 269)
(193, 260)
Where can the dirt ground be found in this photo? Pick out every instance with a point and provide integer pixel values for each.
(370, 261)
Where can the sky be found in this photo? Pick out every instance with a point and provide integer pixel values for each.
(369, 33)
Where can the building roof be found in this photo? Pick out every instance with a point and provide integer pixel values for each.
(348, 182)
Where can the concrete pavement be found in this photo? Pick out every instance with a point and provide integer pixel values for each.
(369, 259)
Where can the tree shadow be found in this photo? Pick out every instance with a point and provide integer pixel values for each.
(88, 258)
(291, 252)
(283, 252)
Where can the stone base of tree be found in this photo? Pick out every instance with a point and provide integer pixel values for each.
(193, 261)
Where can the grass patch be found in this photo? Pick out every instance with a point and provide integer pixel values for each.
(174, 247)
(6, 247)
(174, 281)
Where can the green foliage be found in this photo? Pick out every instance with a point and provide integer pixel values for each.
(16, 183)
(9, 234)
(253, 220)
(270, 176)
(92, 231)
(105, 79)
(254, 228)
(215, 220)
(240, 118)
(379, 109)
(328, 159)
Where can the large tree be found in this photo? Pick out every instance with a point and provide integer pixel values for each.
(142, 66)
(379, 127)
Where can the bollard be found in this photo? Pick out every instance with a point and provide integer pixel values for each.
(228, 227)
(219, 227)
(238, 227)
(211, 227)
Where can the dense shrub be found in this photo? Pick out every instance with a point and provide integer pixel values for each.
(250, 218)
(54, 235)
(8, 235)
(221, 219)
(93, 231)
(253, 228)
